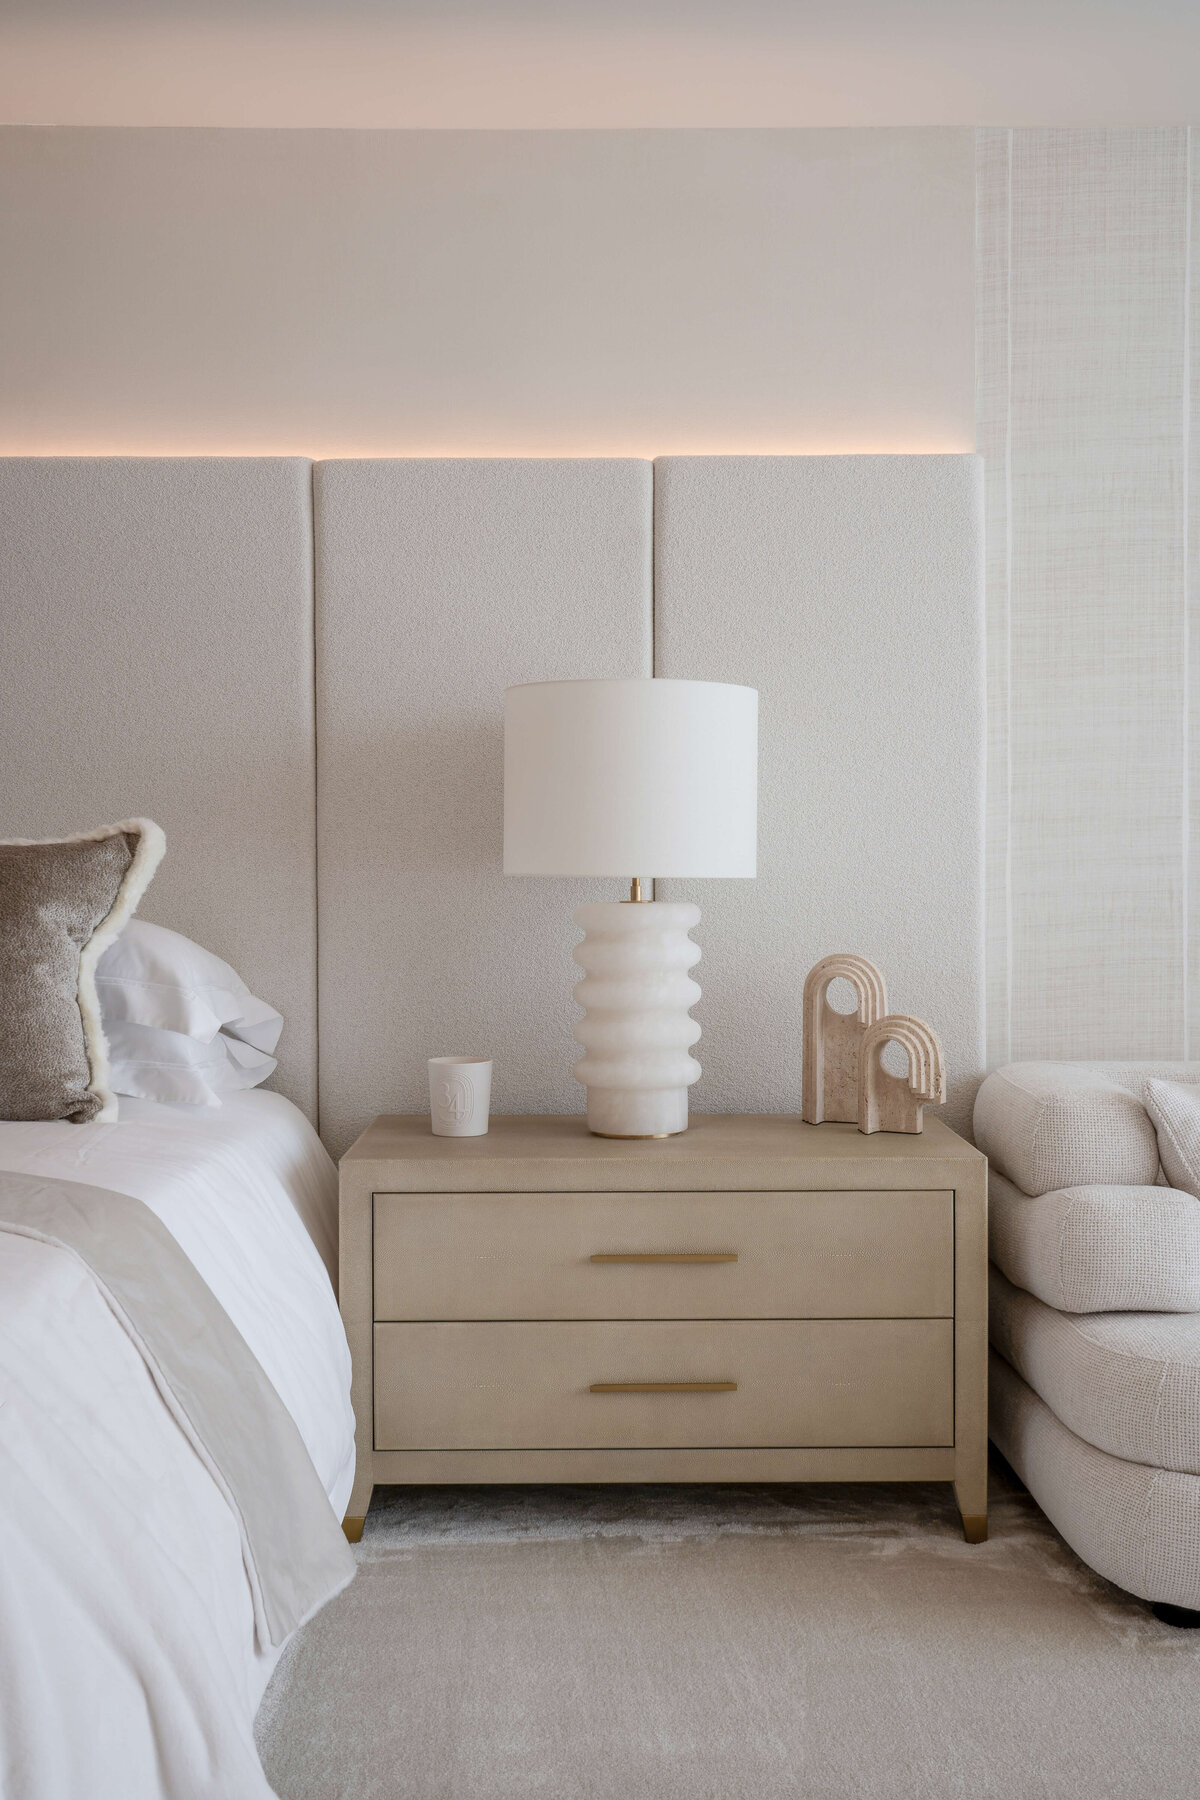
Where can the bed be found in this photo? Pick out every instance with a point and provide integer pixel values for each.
(131, 1661)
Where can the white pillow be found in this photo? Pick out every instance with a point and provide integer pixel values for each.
(152, 976)
(171, 1066)
(1175, 1113)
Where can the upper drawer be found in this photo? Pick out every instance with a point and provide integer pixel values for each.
(531, 1256)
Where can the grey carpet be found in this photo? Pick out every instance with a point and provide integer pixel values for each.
(733, 1643)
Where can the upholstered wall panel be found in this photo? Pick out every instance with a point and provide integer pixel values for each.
(849, 591)
(1085, 419)
(156, 657)
(438, 583)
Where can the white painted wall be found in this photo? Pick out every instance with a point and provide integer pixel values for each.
(335, 293)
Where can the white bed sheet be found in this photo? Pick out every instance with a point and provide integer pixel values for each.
(128, 1661)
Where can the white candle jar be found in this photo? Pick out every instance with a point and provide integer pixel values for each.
(460, 1093)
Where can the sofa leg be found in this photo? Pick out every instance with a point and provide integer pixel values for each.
(1181, 1616)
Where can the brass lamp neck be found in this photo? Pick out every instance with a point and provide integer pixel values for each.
(635, 891)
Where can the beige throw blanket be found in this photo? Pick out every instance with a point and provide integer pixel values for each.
(295, 1555)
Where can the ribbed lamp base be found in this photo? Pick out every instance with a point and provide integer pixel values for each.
(626, 1113)
(637, 992)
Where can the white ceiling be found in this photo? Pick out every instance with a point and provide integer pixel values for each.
(562, 63)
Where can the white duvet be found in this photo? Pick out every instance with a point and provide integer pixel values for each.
(129, 1668)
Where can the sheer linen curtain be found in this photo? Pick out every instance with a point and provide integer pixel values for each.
(1087, 325)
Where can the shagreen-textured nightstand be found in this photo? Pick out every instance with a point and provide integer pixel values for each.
(754, 1300)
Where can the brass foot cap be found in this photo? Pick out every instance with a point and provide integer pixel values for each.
(975, 1527)
(353, 1529)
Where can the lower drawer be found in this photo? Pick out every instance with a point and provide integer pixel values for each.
(529, 1385)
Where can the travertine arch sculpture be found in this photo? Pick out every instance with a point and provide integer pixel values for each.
(833, 1040)
(894, 1102)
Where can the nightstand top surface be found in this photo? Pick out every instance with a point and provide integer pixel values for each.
(734, 1149)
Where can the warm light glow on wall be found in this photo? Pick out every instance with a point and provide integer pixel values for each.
(341, 450)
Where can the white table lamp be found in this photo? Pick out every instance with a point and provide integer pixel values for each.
(635, 779)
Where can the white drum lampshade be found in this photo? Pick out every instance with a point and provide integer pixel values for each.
(635, 779)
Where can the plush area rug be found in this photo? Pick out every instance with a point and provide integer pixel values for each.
(727, 1643)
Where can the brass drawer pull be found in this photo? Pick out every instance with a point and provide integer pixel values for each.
(663, 1387)
(666, 1256)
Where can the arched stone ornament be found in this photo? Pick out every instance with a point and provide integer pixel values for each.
(894, 1102)
(833, 1040)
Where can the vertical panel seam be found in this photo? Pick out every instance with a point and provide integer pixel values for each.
(654, 592)
(312, 527)
(1008, 600)
(1185, 906)
(654, 568)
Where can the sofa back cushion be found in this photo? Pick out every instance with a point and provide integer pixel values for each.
(1058, 1125)
(1174, 1109)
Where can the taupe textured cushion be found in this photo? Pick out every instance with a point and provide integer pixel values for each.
(62, 902)
(1060, 1125)
(1138, 1525)
(1099, 1249)
(1129, 1383)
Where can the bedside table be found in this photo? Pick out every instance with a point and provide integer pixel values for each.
(754, 1300)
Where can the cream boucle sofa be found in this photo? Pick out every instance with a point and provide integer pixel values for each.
(1095, 1317)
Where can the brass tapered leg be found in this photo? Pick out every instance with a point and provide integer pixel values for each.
(353, 1529)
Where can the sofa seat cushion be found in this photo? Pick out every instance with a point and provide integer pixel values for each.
(1099, 1249)
(1129, 1383)
(1060, 1125)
